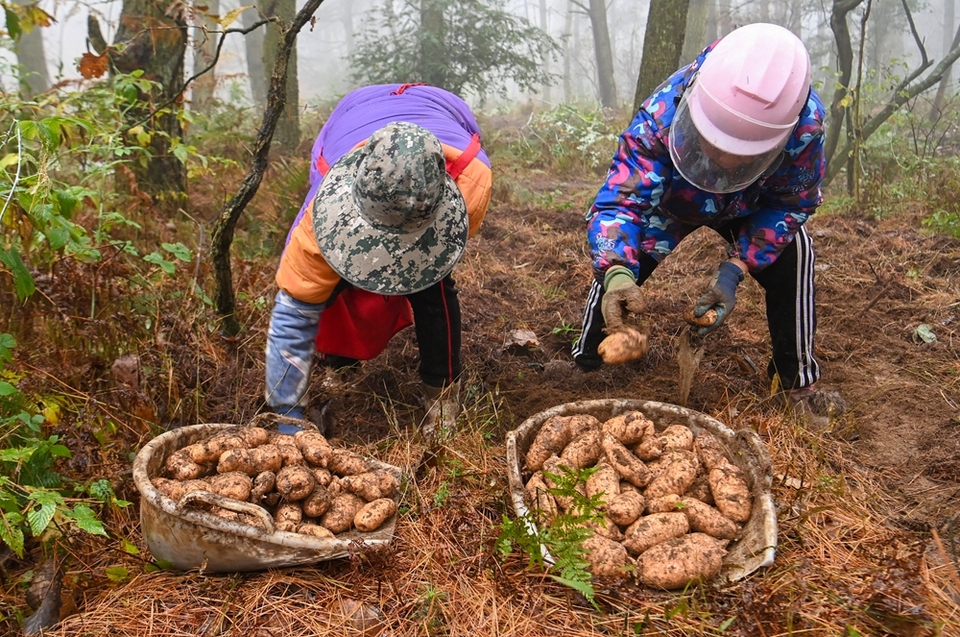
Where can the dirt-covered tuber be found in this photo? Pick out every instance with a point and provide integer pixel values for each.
(680, 561)
(622, 346)
(373, 514)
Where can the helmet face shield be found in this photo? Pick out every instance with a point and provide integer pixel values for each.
(706, 166)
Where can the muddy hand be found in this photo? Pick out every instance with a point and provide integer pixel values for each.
(621, 295)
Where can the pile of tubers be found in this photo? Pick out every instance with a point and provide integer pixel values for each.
(309, 486)
(671, 501)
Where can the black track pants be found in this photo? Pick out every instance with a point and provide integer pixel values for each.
(436, 319)
(791, 312)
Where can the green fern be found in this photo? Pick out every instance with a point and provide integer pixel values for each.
(562, 538)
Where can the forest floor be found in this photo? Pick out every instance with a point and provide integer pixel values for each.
(869, 508)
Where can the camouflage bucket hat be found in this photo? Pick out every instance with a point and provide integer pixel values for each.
(388, 218)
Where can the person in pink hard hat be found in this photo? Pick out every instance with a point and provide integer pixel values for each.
(733, 142)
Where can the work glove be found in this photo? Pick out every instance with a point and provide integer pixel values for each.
(621, 295)
(721, 297)
(290, 412)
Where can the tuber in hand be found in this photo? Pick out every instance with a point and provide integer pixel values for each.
(622, 346)
(709, 318)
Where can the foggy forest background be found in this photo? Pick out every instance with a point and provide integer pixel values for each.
(134, 135)
(324, 48)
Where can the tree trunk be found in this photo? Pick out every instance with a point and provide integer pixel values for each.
(34, 77)
(346, 19)
(661, 46)
(204, 50)
(793, 17)
(695, 37)
(949, 18)
(604, 53)
(155, 42)
(253, 46)
(432, 49)
(713, 29)
(854, 120)
(544, 26)
(569, 47)
(841, 34)
(288, 127)
(224, 297)
(724, 18)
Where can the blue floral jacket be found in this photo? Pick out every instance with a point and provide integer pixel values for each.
(646, 205)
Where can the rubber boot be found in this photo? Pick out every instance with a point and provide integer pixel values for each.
(817, 406)
(442, 405)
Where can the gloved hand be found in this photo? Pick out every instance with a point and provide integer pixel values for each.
(721, 297)
(621, 294)
(290, 412)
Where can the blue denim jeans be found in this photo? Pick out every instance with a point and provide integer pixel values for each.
(290, 348)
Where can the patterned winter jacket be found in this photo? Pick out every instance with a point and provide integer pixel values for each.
(646, 204)
(303, 273)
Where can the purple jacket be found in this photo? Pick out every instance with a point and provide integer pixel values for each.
(365, 110)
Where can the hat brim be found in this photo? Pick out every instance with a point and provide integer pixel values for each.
(766, 138)
(390, 263)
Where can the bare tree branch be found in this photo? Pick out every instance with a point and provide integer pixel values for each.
(213, 63)
(226, 223)
(924, 60)
(913, 30)
(898, 99)
(223, 36)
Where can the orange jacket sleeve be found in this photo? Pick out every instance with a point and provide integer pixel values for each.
(303, 273)
(475, 183)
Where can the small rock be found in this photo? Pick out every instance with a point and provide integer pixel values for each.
(362, 617)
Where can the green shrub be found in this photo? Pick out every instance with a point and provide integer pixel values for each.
(569, 140)
(33, 496)
(61, 159)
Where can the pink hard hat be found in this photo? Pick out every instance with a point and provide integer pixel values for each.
(736, 117)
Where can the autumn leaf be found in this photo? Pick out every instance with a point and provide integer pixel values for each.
(91, 65)
(231, 17)
(37, 16)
